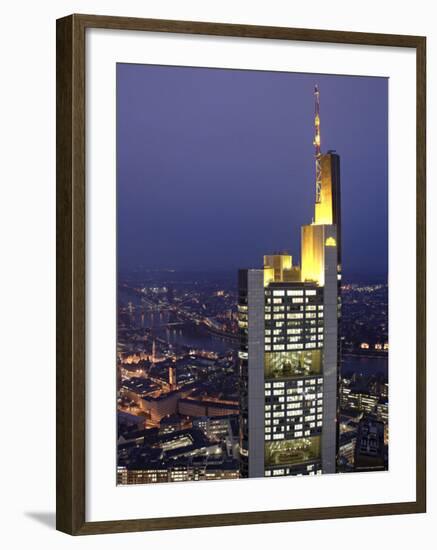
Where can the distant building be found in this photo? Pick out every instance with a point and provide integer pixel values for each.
(172, 380)
(136, 387)
(170, 423)
(150, 456)
(346, 448)
(359, 400)
(182, 472)
(198, 407)
(216, 428)
(132, 370)
(382, 411)
(163, 405)
(221, 428)
(369, 448)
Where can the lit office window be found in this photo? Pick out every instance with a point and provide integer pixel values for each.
(295, 346)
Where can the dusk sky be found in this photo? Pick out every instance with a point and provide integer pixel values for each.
(215, 167)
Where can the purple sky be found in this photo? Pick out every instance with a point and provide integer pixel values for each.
(215, 167)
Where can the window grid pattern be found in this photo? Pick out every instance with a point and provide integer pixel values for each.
(293, 408)
(293, 317)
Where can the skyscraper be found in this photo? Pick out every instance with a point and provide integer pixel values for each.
(290, 346)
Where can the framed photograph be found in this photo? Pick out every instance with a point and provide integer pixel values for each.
(240, 274)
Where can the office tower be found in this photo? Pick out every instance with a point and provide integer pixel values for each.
(172, 376)
(289, 352)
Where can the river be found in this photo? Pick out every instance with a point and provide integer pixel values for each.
(365, 366)
(185, 334)
(198, 337)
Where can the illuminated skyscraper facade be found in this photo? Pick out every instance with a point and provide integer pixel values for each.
(289, 352)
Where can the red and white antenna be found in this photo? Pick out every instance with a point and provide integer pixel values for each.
(316, 143)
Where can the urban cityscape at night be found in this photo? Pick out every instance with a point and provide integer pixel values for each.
(279, 368)
(178, 341)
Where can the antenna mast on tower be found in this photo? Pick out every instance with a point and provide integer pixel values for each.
(316, 143)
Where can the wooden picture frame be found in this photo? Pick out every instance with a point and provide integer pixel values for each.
(71, 246)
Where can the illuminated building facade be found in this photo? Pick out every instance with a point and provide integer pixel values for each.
(289, 353)
(182, 472)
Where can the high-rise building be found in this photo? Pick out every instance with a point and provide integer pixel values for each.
(290, 346)
(369, 448)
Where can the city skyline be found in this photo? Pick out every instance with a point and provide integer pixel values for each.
(194, 167)
(267, 379)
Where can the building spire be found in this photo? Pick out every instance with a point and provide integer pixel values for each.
(316, 143)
